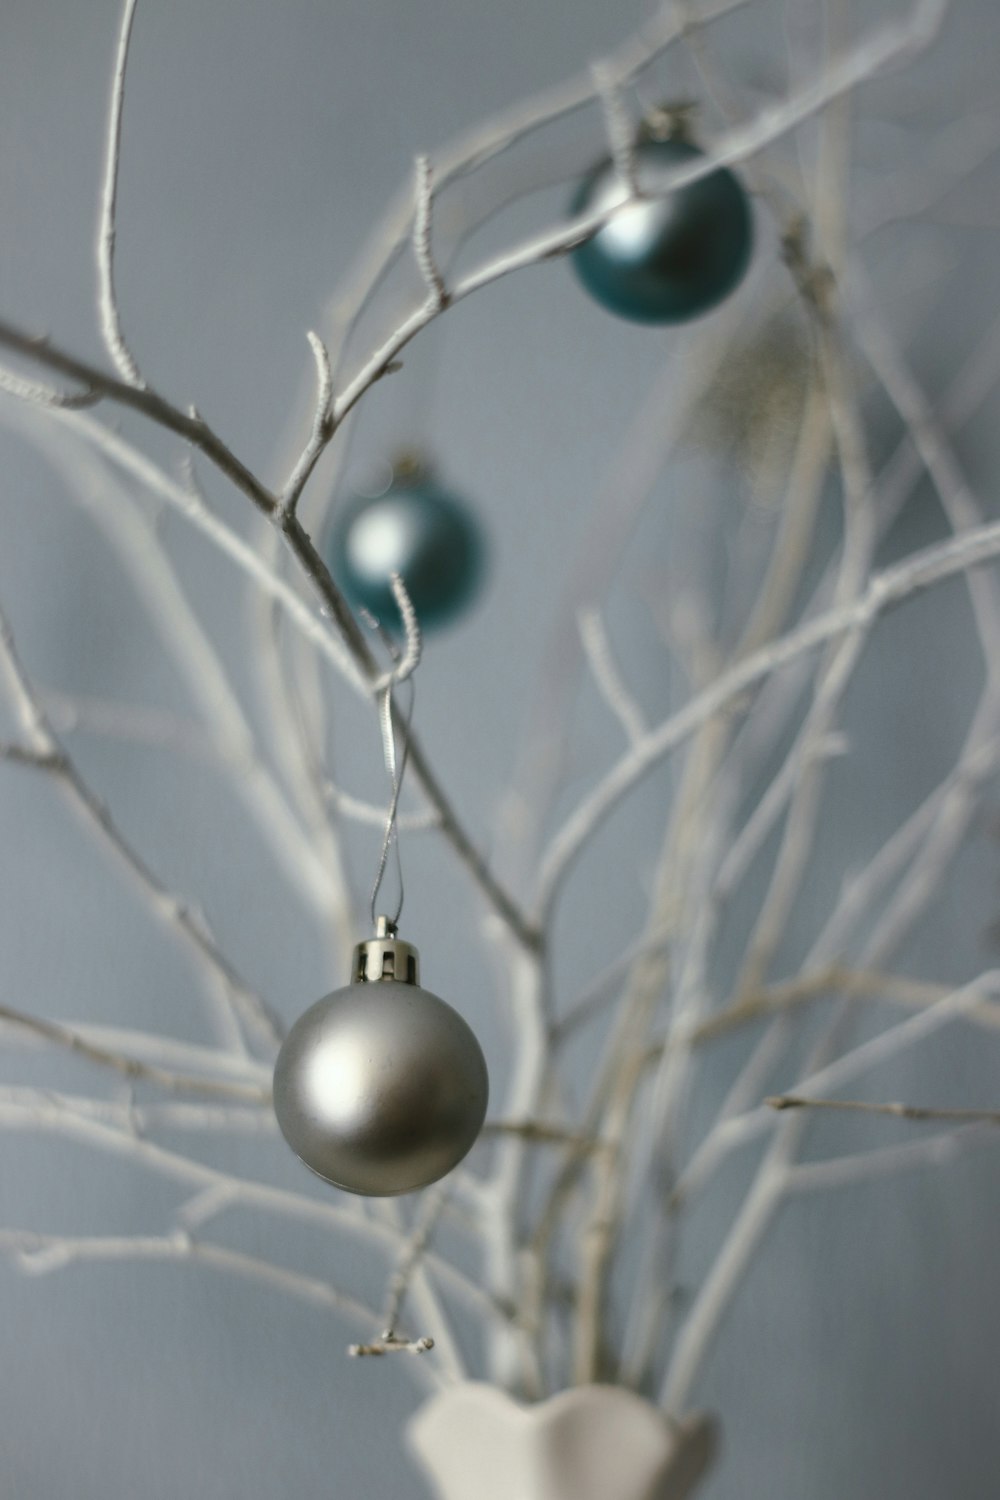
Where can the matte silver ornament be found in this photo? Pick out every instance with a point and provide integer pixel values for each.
(381, 1088)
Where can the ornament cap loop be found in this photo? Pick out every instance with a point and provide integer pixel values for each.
(385, 957)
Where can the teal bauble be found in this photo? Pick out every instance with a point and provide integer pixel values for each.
(416, 529)
(664, 260)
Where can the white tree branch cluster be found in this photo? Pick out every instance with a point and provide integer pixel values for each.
(613, 1166)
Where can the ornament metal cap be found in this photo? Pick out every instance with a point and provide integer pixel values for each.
(385, 957)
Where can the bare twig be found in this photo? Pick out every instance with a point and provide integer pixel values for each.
(359, 669)
(859, 537)
(45, 395)
(118, 719)
(410, 1276)
(411, 1253)
(930, 441)
(161, 1051)
(177, 917)
(887, 1044)
(937, 1150)
(49, 1114)
(897, 1111)
(884, 591)
(893, 989)
(607, 676)
(332, 600)
(139, 398)
(538, 1132)
(702, 1320)
(620, 130)
(390, 1344)
(291, 682)
(72, 1040)
(111, 328)
(189, 505)
(322, 428)
(371, 813)
(408, 659)
(128, 532)
(136, 1119)
(41, 1254)
(422, 222)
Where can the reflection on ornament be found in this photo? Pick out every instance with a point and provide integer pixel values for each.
(664, 260)
(416, 529)
(381, 1088)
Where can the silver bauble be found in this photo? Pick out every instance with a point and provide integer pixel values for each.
(381, 1088)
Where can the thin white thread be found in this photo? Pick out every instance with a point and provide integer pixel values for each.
(390, 839)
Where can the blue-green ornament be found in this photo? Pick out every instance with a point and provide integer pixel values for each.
(664, 260)
(415, 528)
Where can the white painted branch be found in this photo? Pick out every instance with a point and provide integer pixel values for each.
(939, 1150)
(620, 130)
(607, 676)
(423, 250)
(42, 1254)
(51, 1117)
(322, 427)
(895, 1110)
(178, 918)
(884, 591)
(111, 328)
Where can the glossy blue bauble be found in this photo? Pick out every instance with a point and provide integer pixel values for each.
(415, 529)
(669, 259)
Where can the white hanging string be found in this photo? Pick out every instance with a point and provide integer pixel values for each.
(404, 665)
(396, 767)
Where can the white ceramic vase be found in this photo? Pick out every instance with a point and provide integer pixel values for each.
(594, 1442)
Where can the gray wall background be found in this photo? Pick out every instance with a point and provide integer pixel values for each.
(261, 144)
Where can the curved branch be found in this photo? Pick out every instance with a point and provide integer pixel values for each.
(920, 571)
(111, 328)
